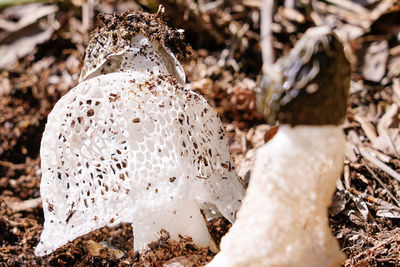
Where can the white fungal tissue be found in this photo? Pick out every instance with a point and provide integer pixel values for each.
(283, 220)
(134, 146)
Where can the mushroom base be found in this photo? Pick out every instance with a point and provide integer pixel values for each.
(178, 218)
(283, 220)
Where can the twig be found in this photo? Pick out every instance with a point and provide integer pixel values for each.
(87, 14)
(358, 147)
(346, 174)
(383, 243)
(7, 3)
(381, 8)
(379, 155)
(266, 32)
(11, 165)
(379, 164)
(374, 200)
(24, 205)
(350, 5)
(381, 183)
(394, 146)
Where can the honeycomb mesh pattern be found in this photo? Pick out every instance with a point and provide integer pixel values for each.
(121, 143)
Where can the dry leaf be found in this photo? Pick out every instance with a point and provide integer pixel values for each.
(97, 249)
(367, 127)
(388, 140)
(24, 15)
(21, 37)
(389, 120)
(270, 133)
(375, 61)
(356, 217)
(394, 67)
(340, 199)
(388, 212)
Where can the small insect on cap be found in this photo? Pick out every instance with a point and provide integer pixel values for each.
(312, 85)
(113, 47)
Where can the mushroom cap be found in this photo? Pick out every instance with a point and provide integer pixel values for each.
(311, 85)
(122, 143)
(109, 43)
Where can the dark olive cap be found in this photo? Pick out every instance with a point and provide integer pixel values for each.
(310, 86)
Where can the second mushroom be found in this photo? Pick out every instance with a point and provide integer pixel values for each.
(284, 217)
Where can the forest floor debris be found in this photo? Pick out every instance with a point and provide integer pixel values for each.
(225, 68)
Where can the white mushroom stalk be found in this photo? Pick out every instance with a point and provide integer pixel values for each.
(130, 144)
(283, 220)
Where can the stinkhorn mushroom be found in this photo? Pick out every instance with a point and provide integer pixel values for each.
(130, 144)
(283, 219)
